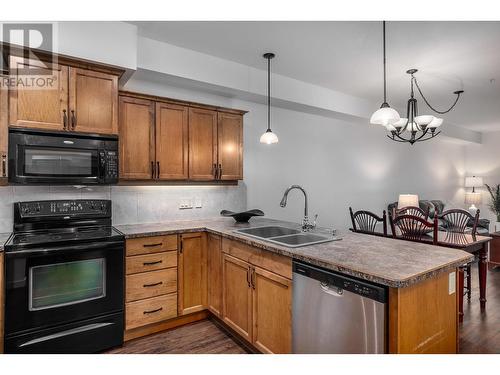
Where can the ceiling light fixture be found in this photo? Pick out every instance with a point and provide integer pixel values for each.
(269, 137)
(420, 127)
(385, 115)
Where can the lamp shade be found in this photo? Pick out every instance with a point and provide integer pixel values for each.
(268, 137)
(384, 116)
(406, 200)
(473, 181)
(473, 198)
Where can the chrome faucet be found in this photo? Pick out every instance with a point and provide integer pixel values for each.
(306, 224)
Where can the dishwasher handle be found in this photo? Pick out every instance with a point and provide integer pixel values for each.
(331, 290)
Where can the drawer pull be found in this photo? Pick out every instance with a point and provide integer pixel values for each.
(152, 244)
(150, 285)
(152, 263)
(152, 311)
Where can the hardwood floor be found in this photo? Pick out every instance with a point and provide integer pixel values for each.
(202, 337)
(479, 333)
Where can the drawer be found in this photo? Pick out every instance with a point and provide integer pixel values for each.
(149, 245)
(151, 284)
(151, 262)
(151, 310)
(279, 264)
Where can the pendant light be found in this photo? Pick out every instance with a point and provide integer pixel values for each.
(268, 137)
(385, 115)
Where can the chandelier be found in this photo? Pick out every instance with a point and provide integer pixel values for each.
(415, 127)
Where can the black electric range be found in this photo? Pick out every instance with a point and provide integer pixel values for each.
(64, 267)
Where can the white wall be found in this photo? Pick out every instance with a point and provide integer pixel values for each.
(484, 160)
(338, 163)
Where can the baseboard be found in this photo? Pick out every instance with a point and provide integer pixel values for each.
(166, 325)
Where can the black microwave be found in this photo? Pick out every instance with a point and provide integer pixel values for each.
(62, 158)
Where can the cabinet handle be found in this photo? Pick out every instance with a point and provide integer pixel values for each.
(181, 247)
(152, 169)
(253, 278)
(153, 311)
(214, 171)
(65, 119)
(150, 285)
(220, 171)
(248, 277)
(152, 244)
(73, 119)
(152, 263)
(157, 169)
(4, 165)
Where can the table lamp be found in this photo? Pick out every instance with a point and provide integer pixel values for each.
(473, 182)
(406, 200)
(473, 198)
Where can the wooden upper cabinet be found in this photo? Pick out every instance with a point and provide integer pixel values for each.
(42, 108)
(214, 255)
(202, 144)
(4, 132)
(171, 141)
(93, 101)
(137, 151)
(237, 295)
(192, 267)
(272, 312)
(230, 146)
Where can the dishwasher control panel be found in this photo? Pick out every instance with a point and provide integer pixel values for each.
(337, 280)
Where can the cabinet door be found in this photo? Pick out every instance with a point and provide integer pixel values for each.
(202, 144)
(4, 132)
(93, 101)
(237, 296)
(136, 138)
(272, 312)
(44, 108)
(230, 146)
(192, 273)
(171, 141)
(214, 254)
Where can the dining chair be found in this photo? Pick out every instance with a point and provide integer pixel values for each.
(366, 222)
(414, 228)
(412, 210)
(456, 223)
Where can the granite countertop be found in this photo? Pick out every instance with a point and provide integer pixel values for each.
(3, 239)
(390, 262)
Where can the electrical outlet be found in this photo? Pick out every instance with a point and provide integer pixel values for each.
(185, 204)
(197, 203)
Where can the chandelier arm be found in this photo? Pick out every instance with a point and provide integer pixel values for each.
(404, 140)
(424, 132)
(458, 93)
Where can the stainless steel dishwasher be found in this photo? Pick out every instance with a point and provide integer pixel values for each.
(334, 313)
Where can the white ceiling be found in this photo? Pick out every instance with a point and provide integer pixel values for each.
(347, 56)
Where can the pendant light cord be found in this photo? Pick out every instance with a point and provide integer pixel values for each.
(269, 94)
(457, 93)
(385, 86)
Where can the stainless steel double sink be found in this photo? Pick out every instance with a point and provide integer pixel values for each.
(286, 236)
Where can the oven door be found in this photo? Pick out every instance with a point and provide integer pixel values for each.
(53, 159)
(52, 286)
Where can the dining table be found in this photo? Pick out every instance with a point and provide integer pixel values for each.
(474, 244)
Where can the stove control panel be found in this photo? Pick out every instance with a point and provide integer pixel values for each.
(78, 207)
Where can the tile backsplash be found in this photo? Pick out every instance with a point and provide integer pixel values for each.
(134, 204)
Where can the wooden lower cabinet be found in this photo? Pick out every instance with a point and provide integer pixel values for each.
(237, 296)
(151, 310)
(272, 312)
(192, 265)
(214, 282)
(257, 305)
(151, 284)
(419, 317)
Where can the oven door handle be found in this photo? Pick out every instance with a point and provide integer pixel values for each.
(55, 249)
